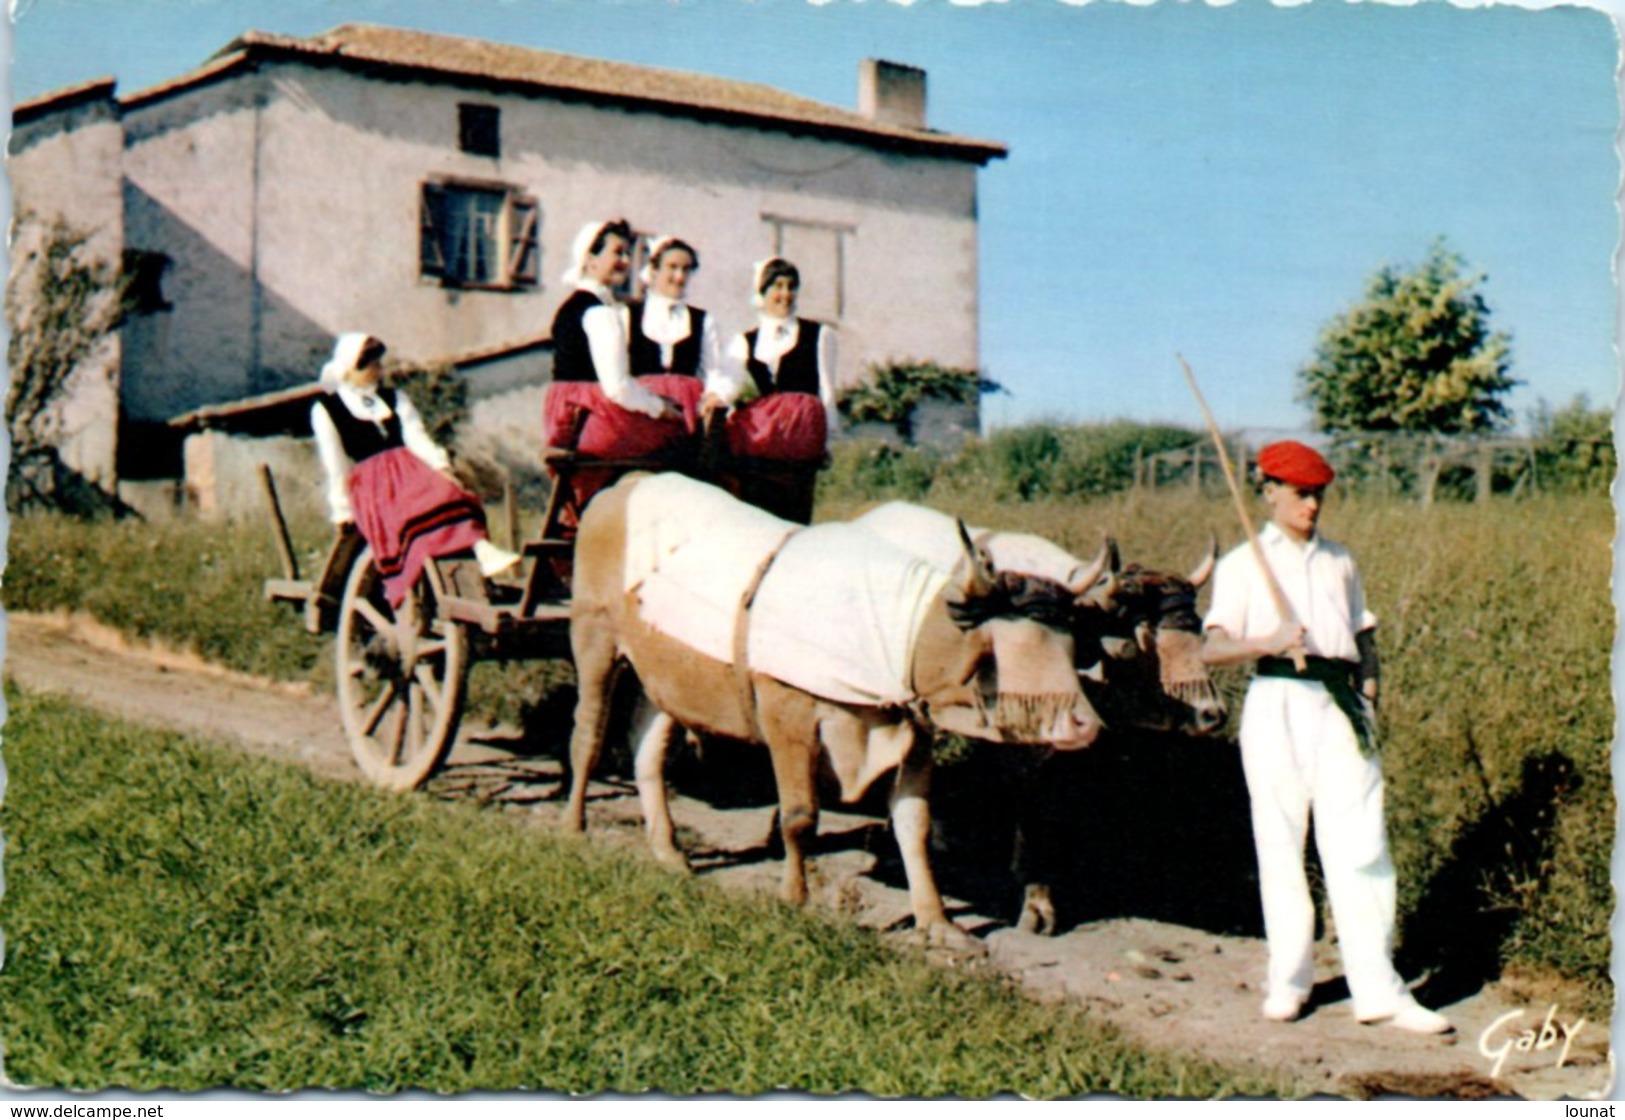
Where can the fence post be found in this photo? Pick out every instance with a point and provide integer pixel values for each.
(1196, 468)
(1486, 463)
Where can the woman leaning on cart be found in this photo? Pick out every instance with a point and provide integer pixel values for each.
(387, 477)
(595, 406)
(784, 371)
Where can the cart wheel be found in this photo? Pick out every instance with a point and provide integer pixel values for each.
(401, 677)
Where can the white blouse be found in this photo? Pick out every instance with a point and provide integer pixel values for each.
(366, 404)
(774, 339)
(666, 322)
(606, 327)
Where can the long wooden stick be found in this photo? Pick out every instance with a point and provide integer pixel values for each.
(279, 527)
(1282, 607)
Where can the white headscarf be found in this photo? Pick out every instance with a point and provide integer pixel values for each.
(757, 270)
(656, 247)
(581, 249)
(347, 354)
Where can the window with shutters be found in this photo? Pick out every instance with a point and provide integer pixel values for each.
(478, 235)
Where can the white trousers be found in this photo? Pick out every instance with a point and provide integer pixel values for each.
(1300, 754)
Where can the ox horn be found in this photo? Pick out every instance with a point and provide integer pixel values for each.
(1204, 570)
(981, 578)
(1084, 578)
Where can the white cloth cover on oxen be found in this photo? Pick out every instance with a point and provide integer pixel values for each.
(934, 537)
(836, 615)
(691, 553)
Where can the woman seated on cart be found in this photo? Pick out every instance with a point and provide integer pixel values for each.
(386, 476)
(783, 371)
(595, 407)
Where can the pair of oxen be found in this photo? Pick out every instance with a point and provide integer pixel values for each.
(1009, 630)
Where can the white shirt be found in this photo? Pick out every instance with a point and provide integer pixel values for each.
(606, 327)
(667, 322)
(774, 339)
(1318, 578)
(366, 404)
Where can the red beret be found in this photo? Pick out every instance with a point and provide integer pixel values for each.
(1295, 464)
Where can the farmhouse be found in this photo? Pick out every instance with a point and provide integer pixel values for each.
(425, 188)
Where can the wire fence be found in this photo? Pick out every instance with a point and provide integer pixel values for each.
(1426, 467)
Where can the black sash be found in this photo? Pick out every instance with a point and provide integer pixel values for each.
(1339, 677)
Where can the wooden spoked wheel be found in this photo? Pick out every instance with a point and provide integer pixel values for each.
(401, 676)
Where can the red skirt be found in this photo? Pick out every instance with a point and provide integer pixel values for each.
(409, 512)
(578, 417)
(789, 427)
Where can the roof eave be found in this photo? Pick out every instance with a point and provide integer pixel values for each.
(254, 46)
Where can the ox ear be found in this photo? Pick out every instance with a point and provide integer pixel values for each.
(1204, 570)
(979, 565)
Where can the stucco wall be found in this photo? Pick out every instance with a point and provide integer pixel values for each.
(223, 476)
(66, 165)
(325, 207)
(189, 193)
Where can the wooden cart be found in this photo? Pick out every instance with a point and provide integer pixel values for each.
(402, 675)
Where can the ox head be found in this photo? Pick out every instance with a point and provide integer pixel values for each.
(1139, 631)
(995, 659)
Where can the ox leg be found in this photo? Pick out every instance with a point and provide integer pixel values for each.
(653, 731)
(791, 731)
(1032, 859)
(596, 671)
(911, 824)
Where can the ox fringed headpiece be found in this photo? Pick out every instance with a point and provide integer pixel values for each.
(1016, 596)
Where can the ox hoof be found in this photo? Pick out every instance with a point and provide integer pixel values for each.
(1037, 911)
(946, 935)
(1037, 920)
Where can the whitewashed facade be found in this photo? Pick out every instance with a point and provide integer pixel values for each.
(426, 189)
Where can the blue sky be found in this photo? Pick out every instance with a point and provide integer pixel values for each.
(1217, 181)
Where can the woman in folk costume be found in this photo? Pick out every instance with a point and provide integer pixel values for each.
(595, 406)
(387, 477)
(784, 371)
(667, 335)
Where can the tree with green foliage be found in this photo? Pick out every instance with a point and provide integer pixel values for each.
(1416, 355)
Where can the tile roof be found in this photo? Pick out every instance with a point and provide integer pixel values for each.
(97, 89)
(452, 57)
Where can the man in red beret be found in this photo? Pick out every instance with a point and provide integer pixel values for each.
(1308, 744)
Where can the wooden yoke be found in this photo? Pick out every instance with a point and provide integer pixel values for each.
(1282, 607)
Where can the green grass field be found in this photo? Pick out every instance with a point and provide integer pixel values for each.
(178, 916)
(1497, 715)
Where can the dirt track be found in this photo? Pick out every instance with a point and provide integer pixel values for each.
(1179, 988)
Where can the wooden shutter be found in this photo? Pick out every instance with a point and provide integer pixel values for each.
(522, 240)
(431, 250)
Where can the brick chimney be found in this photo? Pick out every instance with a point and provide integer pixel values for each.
(891, 93)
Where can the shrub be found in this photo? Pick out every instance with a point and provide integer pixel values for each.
(894, 390)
